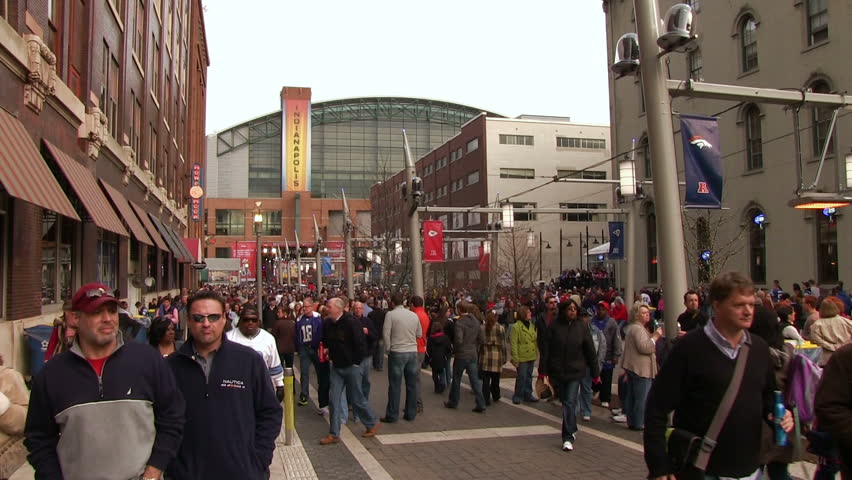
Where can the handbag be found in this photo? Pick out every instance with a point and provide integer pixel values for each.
(686, 449)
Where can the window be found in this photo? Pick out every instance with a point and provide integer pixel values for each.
(428, 170)
(821, 121)
(473, 145)
(517, 173)
(136, 125)
(651, 241)
(473, 178)
(458, 184)
(272, 222)
(827, 264)
(516, 139)
(645, 150)
(817, 21)
(756, 248)
(458, 220)
(442, 191)
(695, 65)
(581, 217)
(459, 154)
(573, 142)
(112, 104)
(748, 43)
(139, 30)
(521, 216)
(754, 138)
(155, 68)
(155, 148)
(223, 252)
(108, 259)
(442, 162)
(167, 21)
(453, 156)
(474, 219)
(57, 239)
(584, 174)
(230, 222)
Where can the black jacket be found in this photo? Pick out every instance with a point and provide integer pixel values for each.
(344, 340)
(371, 338)
(378, 318)
(233, 418)
(567, 350)
(269, 318)
(438, 348)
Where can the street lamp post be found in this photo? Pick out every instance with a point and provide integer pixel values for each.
(318, 257)
(258, 223)
(298, 262)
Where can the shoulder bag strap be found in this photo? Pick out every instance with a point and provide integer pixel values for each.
(708, 443)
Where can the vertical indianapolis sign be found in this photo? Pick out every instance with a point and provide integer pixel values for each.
(296, 148)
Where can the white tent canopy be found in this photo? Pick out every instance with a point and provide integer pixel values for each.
(600, 249)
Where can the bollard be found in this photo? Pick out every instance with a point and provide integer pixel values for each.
(289, 407)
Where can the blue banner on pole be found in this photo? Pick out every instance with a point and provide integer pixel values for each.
(616, 240)
(326, 266)
(702, 161)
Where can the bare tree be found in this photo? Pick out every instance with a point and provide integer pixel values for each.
(515, 259)
(712, 238)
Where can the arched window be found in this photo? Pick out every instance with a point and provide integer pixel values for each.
(651, 230)
(754, 138)
(821, 120)
(748, 42)
(827, 257)
(757, 245)
(645, 150)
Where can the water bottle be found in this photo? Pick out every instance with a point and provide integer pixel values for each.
(778, 412)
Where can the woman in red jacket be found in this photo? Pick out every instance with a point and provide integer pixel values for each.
(618, 310)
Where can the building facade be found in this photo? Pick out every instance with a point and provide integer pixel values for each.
(353, 144)
(102, 113)
(494, 160)
(759, 43)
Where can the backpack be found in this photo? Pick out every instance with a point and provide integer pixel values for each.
(802, 380)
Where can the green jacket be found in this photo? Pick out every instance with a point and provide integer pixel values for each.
(523, 340)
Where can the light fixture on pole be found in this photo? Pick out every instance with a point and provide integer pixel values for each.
(508, 215)
(819, 201)
(258, 224)
(530, 239)
(627, 173)
(848, 171)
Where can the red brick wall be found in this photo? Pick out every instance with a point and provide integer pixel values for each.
(24, 280)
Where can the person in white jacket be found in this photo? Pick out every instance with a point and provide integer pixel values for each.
(249, 333)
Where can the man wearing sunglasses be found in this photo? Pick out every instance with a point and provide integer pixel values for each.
(233, 417)
(249, 333)
(124, 401)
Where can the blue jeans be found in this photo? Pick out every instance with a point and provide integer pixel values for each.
(523, 382)
(448, 371)
(586, 395)
(568, 392)
(379, 355)
(350, 379)
(634, 404)
(459, 367)
(307, 357)
(402, 364)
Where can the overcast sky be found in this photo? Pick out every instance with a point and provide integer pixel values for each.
(543, 57)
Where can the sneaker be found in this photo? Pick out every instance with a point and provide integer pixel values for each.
(322, 411)
(605, 404)
(329, 439)
(586, 418)
(303, 400)
(620, 418)
(567, 446)
(372, 431)
(616, 411)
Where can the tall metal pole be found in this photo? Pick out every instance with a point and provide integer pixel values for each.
(661, 142)
(287, 259)
(560, 252)
(540, 251)
(259, 268)
(347, 247)
(413, 222)
(298, 262)
(587, 247)
(318, 255)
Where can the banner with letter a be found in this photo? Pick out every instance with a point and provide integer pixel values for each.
(616, 240)
(433, 241)
(702, 161)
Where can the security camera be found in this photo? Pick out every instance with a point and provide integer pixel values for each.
(680, 30)
(626, 55)
(417, 186)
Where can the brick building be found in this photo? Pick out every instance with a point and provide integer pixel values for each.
(101, 119)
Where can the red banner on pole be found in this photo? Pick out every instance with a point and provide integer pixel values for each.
(484, 259)
(433, 241)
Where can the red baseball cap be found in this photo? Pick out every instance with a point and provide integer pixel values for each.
(604, 305)
(92, 296)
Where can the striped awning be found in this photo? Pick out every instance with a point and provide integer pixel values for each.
(185, 253)
(23, 171)
(127, 214)
(169, 238)
(149, 227)
(84, 183)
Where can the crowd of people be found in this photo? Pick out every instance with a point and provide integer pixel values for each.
(200, 353)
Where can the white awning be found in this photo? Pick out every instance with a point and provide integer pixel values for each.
(600, 249)
(222, 264)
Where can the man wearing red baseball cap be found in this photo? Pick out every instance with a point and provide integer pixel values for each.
(109, 383)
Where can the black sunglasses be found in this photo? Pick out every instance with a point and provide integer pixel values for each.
(212, 318)
(250, 319)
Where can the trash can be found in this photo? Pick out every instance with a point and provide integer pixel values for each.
(37, 340)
